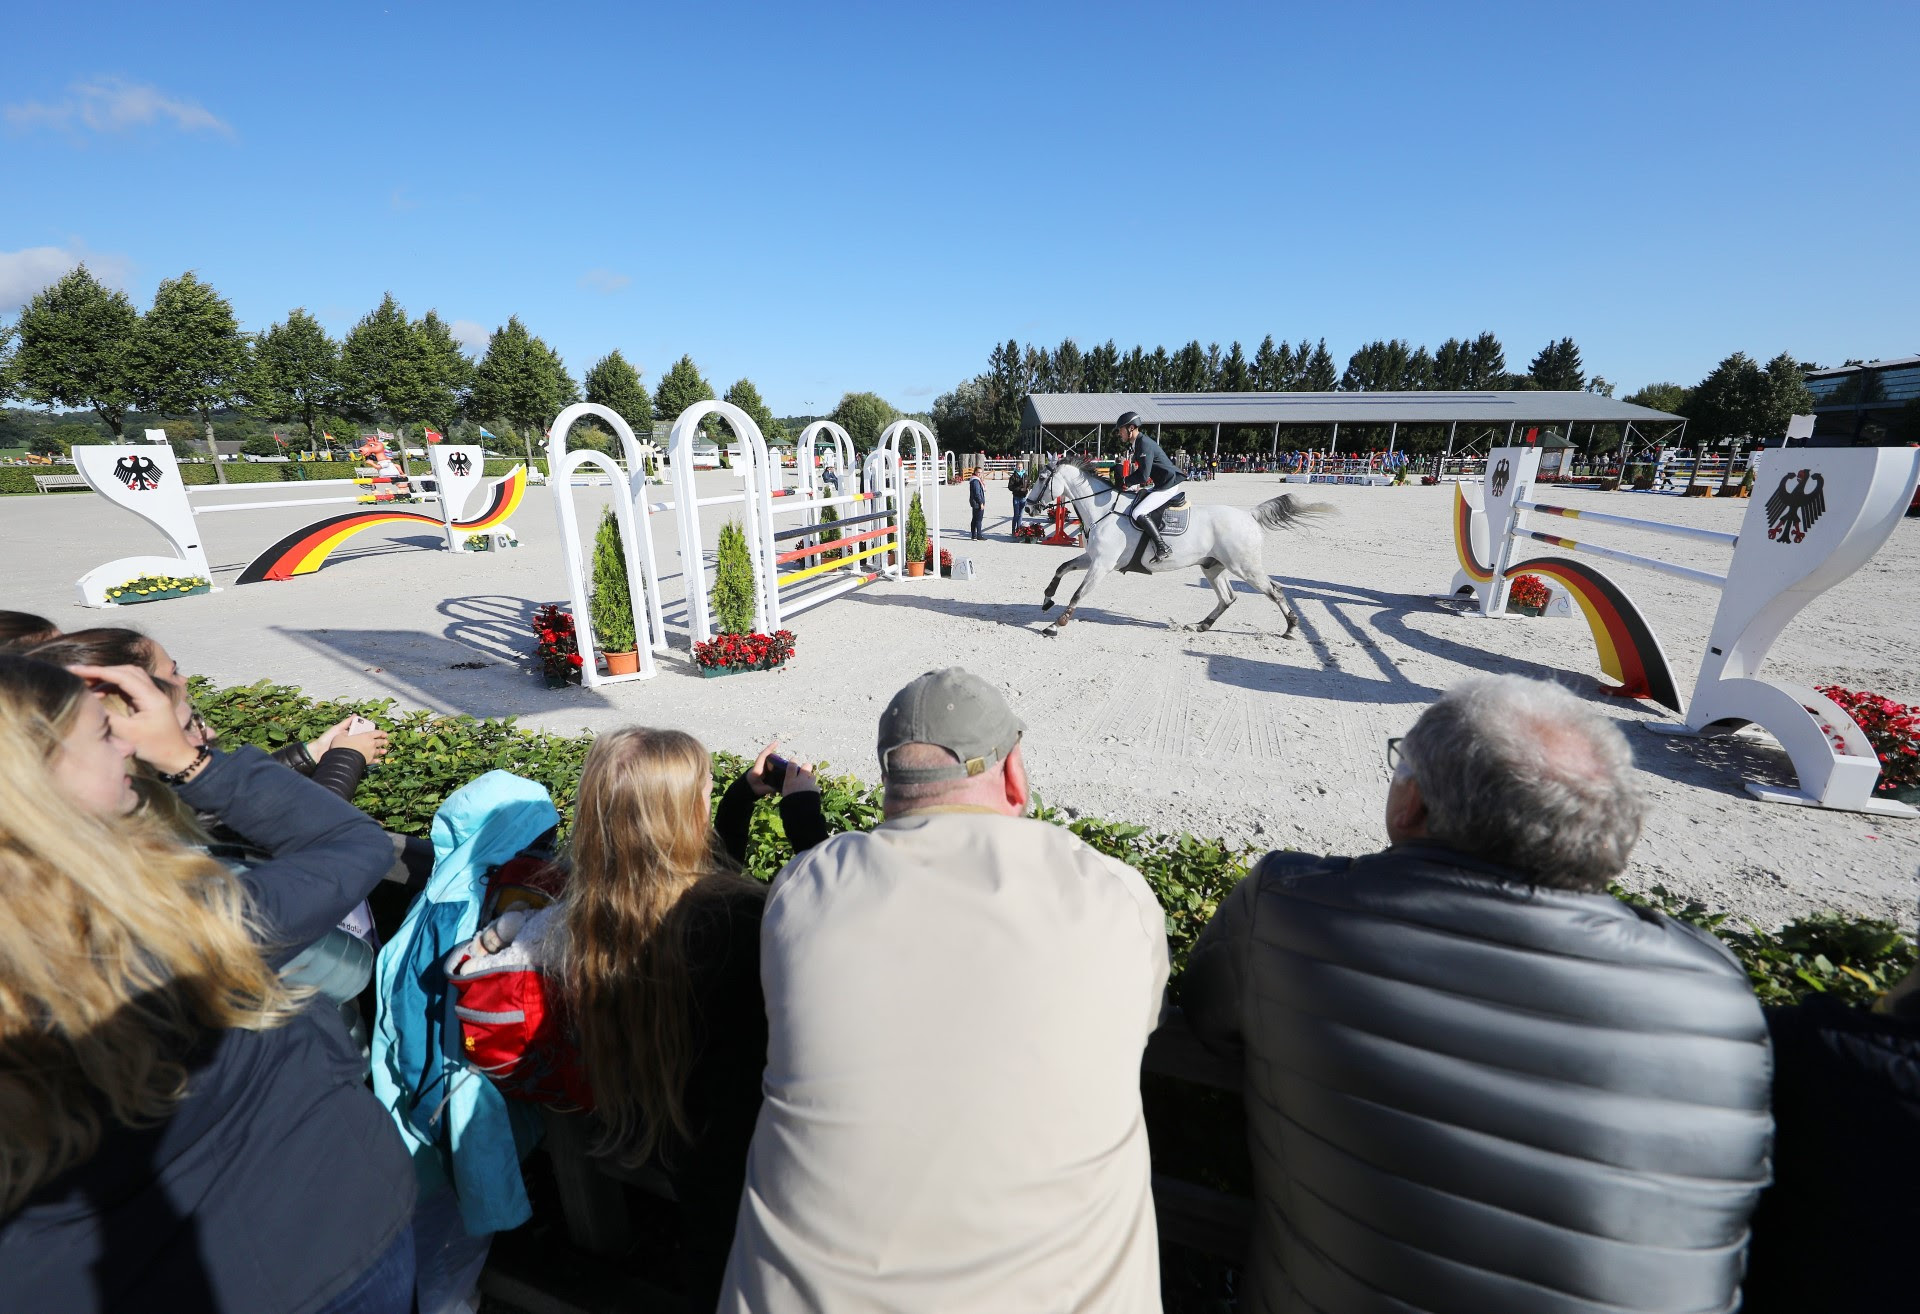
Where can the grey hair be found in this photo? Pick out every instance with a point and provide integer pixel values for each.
(1523, 773)
(925, 791)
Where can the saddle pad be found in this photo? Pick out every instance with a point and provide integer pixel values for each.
(1172, 519)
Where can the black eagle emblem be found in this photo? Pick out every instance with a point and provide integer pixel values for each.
(1792, 511)
(460, 464)
(1501, 473)
(139, 473)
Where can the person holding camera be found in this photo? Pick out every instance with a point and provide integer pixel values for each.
(655, 941)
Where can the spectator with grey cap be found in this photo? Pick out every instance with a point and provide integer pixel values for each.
(1474, 1080)
(957, 1003)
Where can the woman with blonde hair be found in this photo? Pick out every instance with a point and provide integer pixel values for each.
(178, 1128)
(656, 946)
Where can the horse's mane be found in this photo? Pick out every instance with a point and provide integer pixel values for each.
(1079, 464)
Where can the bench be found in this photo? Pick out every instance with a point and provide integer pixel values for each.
(48, 482)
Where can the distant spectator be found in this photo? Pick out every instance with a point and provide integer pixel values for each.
(182, 1131)
(977, 501)
(23, 629)
(1476, 1081)
(1017, 485)
(957, 1005)
(1842, 1209)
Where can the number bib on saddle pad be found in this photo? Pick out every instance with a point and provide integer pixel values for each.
(1171, 521)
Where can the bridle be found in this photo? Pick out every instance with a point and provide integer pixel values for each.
(1074, 501)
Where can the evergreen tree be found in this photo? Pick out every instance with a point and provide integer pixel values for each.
(295, 377)
(77, 346)
(1451, 365)
(1235, 376)
(1740, 399)
(1557, 368)
(1269, 365)
(1419, 373)
(1487, 364)
(733, 582)
(1103, 368)
(1136, 372)
(1161, 373)
(611, 605)
(1378, 367)
(1189, 369)
(1068, 368)
(615, 384)
(1318, 374)
(192, 357)
(520, 381)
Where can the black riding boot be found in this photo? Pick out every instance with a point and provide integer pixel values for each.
(1160, 549)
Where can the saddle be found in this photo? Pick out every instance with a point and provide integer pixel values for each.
(1171, 521)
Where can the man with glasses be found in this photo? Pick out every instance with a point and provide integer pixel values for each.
(957, 1004)
(1474, 1079)
(1151, 474)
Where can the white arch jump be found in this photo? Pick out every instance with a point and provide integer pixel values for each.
(922, 475)
(631, 514)
(1816, 516)
(839, 457)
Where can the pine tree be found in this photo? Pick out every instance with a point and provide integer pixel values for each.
(1557, 367)
(1235, 376)
(733, 581)
(611, 605)
(1318, 375)
(916, 535)
(680, 387)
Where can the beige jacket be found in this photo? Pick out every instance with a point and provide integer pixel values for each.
(958, 1003)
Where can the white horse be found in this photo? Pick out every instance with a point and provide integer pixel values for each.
(1218, 539)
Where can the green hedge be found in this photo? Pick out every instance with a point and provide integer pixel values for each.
(19, 478)
(496, 466)
(431, 756)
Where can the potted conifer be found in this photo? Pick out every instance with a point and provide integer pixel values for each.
(916, 544)
(612, 603)
(737, 647)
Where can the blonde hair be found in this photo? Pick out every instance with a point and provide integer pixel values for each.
(119, 949)
(645, 861)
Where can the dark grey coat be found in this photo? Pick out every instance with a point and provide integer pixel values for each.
(1468, 1094)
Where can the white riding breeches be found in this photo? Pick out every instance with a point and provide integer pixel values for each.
(1152, 500)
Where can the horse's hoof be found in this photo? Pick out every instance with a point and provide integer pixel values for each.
(1047, 605)
(1049, 632)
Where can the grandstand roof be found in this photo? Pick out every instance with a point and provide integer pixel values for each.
(1073, 410)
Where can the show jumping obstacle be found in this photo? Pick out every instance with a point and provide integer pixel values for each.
(1816, 516)
(145, 479)
(793, 570)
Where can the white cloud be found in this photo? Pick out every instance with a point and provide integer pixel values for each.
(604, 280)
(921, 391)
(24, 274)
(474, 337)
(111, 104)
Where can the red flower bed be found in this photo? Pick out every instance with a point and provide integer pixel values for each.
(1892, 728)
(745, 652)
(1529, 592)
(946, 560)
(1030, 533)
(559, 648)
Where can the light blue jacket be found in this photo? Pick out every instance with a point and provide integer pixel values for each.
(456, 1123)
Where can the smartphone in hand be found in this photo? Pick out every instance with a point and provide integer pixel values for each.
(775, 772)
(359, 725)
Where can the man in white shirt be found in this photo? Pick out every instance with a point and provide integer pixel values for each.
(957, 1005)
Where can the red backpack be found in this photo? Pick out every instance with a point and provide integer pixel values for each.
(513, 1024)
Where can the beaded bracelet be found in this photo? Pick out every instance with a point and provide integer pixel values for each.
(180, 777)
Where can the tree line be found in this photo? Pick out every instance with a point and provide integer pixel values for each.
(984, 412)
(84, 347)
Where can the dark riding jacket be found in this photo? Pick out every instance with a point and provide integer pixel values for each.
(1151, 464)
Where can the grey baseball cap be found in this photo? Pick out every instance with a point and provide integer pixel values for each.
(956, 710)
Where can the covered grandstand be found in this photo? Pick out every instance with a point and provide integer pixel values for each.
(1451, 422)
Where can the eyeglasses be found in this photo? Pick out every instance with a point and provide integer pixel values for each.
(197, 724)
(1393, 753)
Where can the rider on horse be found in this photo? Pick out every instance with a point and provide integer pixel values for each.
(1153, 475)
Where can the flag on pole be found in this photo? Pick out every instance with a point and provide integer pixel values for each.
(433, 437)
(485, 434)
(278, 439)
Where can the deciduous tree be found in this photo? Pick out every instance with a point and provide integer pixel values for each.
(192, 357)
(295, 374)
(76, 346)
(520, 380)
(747, 397)
(680, 387)
(1668, 397)
(614, 383)
(864, 415)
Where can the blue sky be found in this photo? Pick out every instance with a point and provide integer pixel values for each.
(847, 197)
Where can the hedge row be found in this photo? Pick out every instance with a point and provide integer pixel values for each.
(431, 756)
(19, 478)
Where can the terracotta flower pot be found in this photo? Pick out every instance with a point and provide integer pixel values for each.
(916, 568)
(622, 663)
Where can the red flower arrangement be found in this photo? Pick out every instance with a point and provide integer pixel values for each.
(1529, 593)
(559, 648)
(946, 560)
(744, 652)
(1892, 728)
(1030, 533)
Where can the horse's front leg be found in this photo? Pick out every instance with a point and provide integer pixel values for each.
(1095, 571)
(1222, 592)
(1071, 563)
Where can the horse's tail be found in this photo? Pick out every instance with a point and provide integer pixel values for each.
(1283, 512)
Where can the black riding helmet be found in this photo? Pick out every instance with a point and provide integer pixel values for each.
(1129, 418)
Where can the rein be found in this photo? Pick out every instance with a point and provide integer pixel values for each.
(1090, 496)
